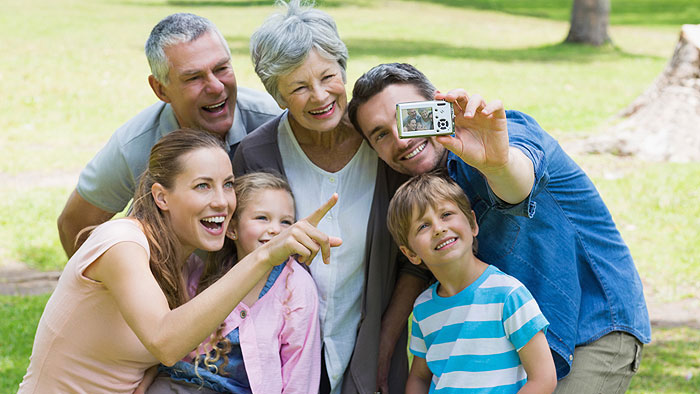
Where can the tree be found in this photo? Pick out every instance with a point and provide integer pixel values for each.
(663, 124)
(589, 22)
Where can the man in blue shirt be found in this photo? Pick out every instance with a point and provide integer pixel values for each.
(541, 218)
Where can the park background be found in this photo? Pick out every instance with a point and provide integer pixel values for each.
(72, 71)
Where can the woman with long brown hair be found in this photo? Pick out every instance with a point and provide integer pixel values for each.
(122, 304)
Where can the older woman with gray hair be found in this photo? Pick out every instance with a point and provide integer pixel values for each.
(366, 293)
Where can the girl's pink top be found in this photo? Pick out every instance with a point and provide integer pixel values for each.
(82, 343)
(279, 334)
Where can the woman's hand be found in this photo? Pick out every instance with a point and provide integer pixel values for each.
(303, 239)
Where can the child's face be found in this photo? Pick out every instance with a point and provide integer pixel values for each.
(266, 214)
(441, 235)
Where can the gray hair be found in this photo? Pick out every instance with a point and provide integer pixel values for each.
(284, 41)
(379, 77)
(172, 30)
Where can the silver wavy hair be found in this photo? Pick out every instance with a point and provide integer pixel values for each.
(172, 30)
(285, 39)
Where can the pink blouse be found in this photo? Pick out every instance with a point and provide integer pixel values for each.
(279, 334)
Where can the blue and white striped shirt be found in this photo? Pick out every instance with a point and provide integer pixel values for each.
(470, 341)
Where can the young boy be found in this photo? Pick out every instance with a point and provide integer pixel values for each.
(477, 329)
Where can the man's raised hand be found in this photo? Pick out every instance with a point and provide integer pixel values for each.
(481, 131)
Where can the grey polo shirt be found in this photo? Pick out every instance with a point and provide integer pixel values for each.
(109, 179)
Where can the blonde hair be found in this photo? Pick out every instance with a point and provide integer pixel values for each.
(245, 188)
(419, 193)
(220, 262)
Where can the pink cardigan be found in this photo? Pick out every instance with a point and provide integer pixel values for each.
(279, 334)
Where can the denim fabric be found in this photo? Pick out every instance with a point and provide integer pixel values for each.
(561, 243)
(235, 379)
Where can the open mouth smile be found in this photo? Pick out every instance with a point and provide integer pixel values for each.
(446, 243)
(214, 224)
(416, 151)
(215, 107)
(324, 110)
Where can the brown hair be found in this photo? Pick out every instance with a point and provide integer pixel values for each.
(420, 192)
(164, 165)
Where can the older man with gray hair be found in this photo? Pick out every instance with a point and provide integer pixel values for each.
(191, 74)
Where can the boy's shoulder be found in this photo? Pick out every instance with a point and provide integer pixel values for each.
(426, 296)
(495, 278)
(491, 280)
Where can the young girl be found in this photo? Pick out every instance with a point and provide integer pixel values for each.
(271, 340)
(122, 303)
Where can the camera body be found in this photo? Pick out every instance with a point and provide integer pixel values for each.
(424, 119)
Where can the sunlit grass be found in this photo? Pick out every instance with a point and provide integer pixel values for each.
(19, 317)
(671, 364)
(28, 231)
(74, 71)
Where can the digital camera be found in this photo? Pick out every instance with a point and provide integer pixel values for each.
(424, 119)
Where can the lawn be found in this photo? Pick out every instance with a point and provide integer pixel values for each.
(73, 71)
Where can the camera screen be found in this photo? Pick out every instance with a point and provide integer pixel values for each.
(420, 118)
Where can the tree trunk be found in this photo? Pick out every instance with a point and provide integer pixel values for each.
(663, 124)
(589, 22)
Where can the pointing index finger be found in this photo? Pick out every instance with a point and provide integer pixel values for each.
(318, 214)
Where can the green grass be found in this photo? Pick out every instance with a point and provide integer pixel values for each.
(28, 226)
(19, 317)
(74, 71)
(655, 207)
(671, 364)
(630, 12)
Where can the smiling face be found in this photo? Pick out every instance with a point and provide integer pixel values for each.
(201, 201)
(426, 114)
(442, 235)
(377, 120)
(266, 214)
(202, 85)
(315, 94)
(411, 125)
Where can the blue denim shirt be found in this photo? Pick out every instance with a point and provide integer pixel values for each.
(561, 243)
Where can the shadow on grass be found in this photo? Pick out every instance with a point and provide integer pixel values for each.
(394, 49)
(623, 12)
(243, 3)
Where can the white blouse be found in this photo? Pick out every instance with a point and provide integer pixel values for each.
(340, 283)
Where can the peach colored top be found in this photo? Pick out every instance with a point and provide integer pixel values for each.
(82, 343)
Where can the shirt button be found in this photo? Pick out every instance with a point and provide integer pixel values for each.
(244, 314)
(571, 357)
(332, 179)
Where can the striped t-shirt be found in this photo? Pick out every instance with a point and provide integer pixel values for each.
(470, 341)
